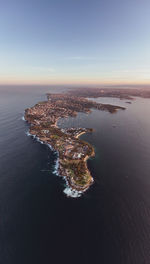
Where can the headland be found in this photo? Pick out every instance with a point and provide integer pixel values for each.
(73, 152)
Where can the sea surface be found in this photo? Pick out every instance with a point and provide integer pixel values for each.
(110, 223)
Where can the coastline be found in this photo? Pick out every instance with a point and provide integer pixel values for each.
(73, 153)
(71, 190)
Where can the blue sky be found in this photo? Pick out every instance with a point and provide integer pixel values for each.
(74, 41)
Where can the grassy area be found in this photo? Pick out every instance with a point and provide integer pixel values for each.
(55, 136)
(77, 170)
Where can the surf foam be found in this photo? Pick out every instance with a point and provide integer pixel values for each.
(69, 192)
(72, 193)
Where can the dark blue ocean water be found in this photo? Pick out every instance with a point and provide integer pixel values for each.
(110, 223)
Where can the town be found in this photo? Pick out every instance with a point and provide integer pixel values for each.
(72, 151)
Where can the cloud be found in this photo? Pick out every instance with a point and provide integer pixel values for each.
(51, 69)
(133, 71)
(43, 69)
(81, 58)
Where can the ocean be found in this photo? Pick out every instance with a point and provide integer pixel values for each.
(108, 224)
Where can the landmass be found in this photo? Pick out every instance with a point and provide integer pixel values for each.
(73, 152)
(121, 93)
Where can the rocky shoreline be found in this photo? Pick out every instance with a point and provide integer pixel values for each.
(73, 153)
(71, 190)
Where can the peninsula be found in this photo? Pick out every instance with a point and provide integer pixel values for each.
(72, 151)
(121, 93)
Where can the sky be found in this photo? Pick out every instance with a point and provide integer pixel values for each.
(74, 42)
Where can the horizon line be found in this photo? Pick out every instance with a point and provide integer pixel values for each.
(75, 84)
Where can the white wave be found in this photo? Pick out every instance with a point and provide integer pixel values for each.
(28, 134)
(72, 193)
(56, 167)
(31, 135)
(68, 190)
(38, 139)
(51, 148)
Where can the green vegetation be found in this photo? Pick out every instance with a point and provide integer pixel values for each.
(55, 136)
(78, 171)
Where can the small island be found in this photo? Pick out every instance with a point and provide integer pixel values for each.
(73, 152)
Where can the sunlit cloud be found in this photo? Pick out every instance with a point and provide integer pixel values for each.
(133, 71)
(81, 58)
(43, 69)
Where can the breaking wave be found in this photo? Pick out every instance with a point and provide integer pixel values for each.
(72, 193)
(56, 166)
(69, 192)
